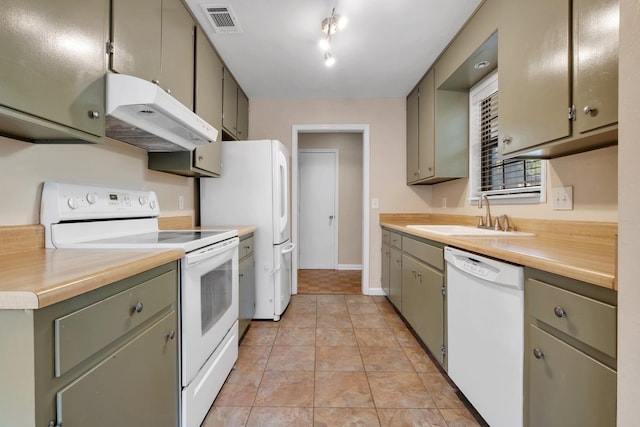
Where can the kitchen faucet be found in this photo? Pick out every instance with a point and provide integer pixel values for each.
(487, 222)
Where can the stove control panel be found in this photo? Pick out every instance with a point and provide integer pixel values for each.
(73, 202)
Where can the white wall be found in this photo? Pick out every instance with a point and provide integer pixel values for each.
(24, 166)
(629, 213)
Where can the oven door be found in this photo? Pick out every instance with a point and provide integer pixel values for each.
(208, 302)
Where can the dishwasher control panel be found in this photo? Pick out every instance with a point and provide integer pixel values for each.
(485, 268)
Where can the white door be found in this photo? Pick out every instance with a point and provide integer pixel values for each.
(318, 171)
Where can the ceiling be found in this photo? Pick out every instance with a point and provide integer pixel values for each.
(384, 50)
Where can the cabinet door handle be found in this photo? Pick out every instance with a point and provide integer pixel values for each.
(94, 114)
(537, 353)
(200, 158)
(241, 275)
(155, 81)
(588, 110)
(171, 335)
(507, 140)
(138, 307)
(559, 311)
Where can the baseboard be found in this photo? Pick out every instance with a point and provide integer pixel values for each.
(376, 292)
(349, 267)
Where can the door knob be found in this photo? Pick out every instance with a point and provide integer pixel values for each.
(330, 217)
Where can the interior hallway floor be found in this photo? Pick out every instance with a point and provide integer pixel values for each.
(336, 360)
(341, 282)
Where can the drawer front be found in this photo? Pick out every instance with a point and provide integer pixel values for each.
(246, 247)
(588, 320)
(395, 239)
(567, 387)
(136, 386)
(82, 333)
(386, 238)
(432, 255)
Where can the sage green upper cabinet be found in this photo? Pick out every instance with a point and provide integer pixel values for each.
(426, 123)
(235, 108)
(595, 85)
(547, 108)
(420, 132)
(534, 94)
(243, 115)
(52, 65)
(178, 30)
(413, 162)
(230, 104)
(209, 75)
(436, 135)
(136, 34)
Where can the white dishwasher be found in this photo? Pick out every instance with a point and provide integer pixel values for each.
(485, 334)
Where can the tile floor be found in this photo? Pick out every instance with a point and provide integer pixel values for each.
(343, 282)
(336, 360)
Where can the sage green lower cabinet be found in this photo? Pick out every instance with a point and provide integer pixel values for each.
(108, 357)
(395, 277)
(570, 352)
(247, 284)
(134, 385)
(423, 296)
(386, 265)
(567, 387)
(422, 302)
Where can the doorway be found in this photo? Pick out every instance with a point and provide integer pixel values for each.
(318, 207)
(363, 212)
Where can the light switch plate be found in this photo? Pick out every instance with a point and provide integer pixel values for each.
(562, 198)
(375, 203)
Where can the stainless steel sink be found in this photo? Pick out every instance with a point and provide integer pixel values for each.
(464, 230)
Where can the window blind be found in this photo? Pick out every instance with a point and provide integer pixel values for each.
(499, 176)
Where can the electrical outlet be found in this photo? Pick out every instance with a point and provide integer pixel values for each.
(444, 203)
(180, 202)
(563, 198)
(375, 203)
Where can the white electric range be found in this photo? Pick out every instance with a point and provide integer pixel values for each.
(94, 217)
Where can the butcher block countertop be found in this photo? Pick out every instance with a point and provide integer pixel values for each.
(583, 251)
(32, 277)
(41, 277)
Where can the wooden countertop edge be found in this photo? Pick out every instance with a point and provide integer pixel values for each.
(43, 295)
(544, 260)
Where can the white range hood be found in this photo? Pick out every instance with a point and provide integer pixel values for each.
(141, 113)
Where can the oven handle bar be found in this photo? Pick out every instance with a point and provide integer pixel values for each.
(212, 251)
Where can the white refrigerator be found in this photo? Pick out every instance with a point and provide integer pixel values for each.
(253, 189)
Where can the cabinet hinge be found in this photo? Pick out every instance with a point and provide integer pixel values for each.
(443, 290)
(443, 350)
(109, 47)
(572, 113)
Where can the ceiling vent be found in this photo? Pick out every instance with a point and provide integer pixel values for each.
(222, 18)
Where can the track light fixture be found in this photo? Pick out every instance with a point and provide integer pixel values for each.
(329, 26)
(328, 59)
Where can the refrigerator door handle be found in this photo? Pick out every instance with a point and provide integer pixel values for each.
(289, 248)
(283, 176)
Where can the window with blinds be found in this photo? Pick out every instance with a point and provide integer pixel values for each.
(491, 175)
